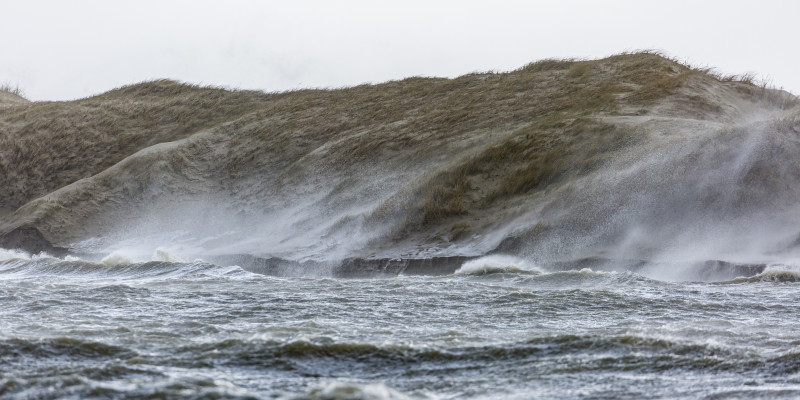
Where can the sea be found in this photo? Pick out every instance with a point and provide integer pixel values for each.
(497, 327)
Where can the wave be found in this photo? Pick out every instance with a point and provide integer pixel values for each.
(71, 348)
(164, 260)
(554, 354)
(17, 255)
(277, 353)
(553, 274)
(77, 268)
(162, 254)
(344, 366)
(330, 355)
(350, 391)
(778, 273)
(627, 270)
(497, 264)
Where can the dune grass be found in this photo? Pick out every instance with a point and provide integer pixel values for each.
(14, 89)
(47, 145)
(561, 138)
(531, 128)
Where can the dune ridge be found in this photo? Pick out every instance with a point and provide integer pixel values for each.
(630, 156)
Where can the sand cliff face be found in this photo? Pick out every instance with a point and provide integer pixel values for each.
(629, 156)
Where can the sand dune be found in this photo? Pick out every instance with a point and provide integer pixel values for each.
(631, 156)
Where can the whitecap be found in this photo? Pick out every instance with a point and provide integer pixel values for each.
(352, 391)
(497, 264)
(9, 255)
(116, 258)
(778, 273)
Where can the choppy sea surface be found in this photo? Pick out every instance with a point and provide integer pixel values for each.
(492, 330)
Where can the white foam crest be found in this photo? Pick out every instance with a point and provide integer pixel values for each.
(786, 273)
(589, 271)
(130, 255)
(352, 391)
(9, 255)
(116, 258)
(497, 264)
(780, 272)
(15, 254)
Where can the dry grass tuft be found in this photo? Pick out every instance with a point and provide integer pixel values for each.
(12, 89)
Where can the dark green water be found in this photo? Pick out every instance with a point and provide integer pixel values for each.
(72, 329)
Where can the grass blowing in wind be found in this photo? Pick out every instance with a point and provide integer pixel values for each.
(457, 166)
(620, 227)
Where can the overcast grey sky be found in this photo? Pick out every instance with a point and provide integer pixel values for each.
(60, 50)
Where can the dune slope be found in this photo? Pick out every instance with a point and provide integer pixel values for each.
(631, 156)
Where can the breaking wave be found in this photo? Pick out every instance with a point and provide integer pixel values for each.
(351, 391)
(497, 264)
(163, 263)
(76, 268)
(778, 273)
